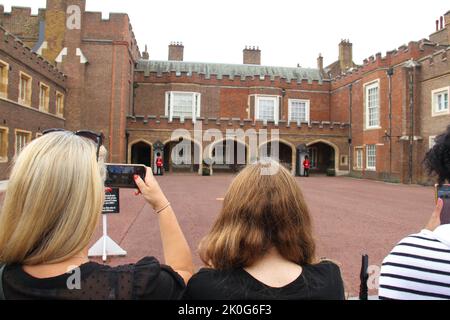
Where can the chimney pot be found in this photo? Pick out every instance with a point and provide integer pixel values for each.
(176, 51)
(320, 62)
(252, 55)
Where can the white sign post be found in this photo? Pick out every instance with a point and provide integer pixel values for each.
(106, 246)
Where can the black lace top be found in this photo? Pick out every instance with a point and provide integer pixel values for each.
(145, 280)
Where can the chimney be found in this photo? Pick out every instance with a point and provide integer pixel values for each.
(437, 25)
(252, 55)
(145, 54)
(320, 62)
(345, 54)
(176, 51)
(441, 19)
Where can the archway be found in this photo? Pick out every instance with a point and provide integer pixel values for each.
(323, 156)
(141, 153)
(176, 161)
(286, 153)
(229, 156)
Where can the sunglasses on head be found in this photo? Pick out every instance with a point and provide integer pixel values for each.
(98, 138)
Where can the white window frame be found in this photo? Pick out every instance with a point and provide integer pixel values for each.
(434, 95)
(276, 108)
(367, 87)
(29, 94)
(431, 141)
(5, 143)
(196, 104)
(307, 109)
(359, 162)
(18, 131)
(370, 167)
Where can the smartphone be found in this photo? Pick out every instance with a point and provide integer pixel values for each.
(122, 175)
(443, 192)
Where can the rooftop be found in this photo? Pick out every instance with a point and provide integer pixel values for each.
(232, 70)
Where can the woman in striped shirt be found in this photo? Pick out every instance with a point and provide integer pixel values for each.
(418, 268)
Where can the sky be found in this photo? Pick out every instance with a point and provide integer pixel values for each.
(288, 32)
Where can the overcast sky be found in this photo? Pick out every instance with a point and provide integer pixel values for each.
(289, 32)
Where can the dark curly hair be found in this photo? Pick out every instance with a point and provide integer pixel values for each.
(437, 160)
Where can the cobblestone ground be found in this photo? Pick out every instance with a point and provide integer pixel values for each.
(351, 217)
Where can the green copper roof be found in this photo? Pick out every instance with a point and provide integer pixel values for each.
(231, 70)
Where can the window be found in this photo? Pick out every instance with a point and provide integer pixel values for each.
(372, 112)
(298, 110)
(22, 138)
(432, 141)
(44, 94)
(267, 108)
(440, 101)
(183, 105)
(4, 69)
(313, 157)
(25, 89)
(371, 156)
(3, 144)
(59, 104)
(359, 158)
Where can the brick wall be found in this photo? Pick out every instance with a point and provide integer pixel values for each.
(435, 74)
(227, 97)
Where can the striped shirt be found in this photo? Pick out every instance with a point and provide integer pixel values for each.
(418, 268)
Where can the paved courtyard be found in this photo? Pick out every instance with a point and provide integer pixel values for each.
(351, 217)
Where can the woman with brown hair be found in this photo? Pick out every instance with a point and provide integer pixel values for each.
(261, 245)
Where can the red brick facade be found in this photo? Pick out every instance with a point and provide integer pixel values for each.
(105, 92)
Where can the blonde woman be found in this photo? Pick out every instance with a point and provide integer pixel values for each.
(261, 245)
(51, 209)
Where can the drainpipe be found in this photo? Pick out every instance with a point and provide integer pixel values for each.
(411, 65)
(350, 134)
(127, 138)
(390, 73)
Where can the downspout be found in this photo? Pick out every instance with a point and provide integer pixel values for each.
(411, 127)
(390, 73)
(127, 138)
(350, 134)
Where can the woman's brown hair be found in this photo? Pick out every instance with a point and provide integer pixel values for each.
(260, 212)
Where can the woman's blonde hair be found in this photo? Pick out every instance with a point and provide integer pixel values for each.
(53, 201)
(260, 212)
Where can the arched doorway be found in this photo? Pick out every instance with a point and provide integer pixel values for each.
(286, 155)
(323, 157)
(229, 156)
(141, 153)
(175, 159)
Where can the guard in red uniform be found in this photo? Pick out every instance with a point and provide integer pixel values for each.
(306, 166)
(159, 165)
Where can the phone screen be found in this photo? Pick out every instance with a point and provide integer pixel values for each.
(122, 176)
(443, 192)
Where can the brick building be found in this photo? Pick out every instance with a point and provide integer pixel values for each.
(375, 120)
(32, 93)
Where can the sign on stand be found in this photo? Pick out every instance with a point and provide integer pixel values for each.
(105, 246)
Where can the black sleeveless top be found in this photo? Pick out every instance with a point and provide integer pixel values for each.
(321, 281)
(145, 280)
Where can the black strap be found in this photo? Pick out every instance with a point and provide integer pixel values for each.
(2, 294)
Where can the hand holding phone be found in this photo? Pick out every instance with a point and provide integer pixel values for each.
(122, 175)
